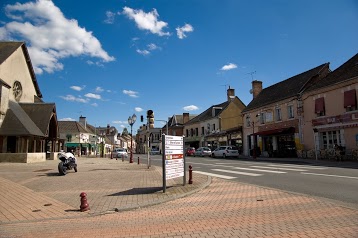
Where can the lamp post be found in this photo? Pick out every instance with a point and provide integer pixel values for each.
(131, 121)
(253, 136)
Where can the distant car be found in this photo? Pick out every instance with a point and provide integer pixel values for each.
(225, 151)
(154, 151)
(202, 151)
(120, 152)
(190, 151)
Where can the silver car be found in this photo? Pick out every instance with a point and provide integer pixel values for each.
(120, 152)
(202, 151)
(225, 151)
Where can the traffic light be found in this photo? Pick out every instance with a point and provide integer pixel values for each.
(150, 118)
(141, 118)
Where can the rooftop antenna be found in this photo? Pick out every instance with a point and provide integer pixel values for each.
(225, 86)
(252, 77)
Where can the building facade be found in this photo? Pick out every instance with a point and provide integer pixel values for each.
(28, 126)
(331, 112)
(273, 119)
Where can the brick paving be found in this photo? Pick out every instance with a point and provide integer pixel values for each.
(219, 209)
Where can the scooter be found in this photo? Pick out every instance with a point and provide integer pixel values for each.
(68, 162)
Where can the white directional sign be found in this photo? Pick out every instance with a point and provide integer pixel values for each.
(174, 158)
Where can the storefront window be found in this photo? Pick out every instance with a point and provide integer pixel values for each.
(329, 138)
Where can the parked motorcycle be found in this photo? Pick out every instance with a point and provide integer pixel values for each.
(68, 162)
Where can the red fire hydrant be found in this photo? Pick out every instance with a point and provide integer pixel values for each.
(84, 205)
(190, 174)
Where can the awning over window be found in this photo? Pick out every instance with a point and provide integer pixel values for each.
(289, 130)
(319, 105)
(72, 144)
(350, 99)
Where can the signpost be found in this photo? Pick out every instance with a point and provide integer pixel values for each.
(173, 159)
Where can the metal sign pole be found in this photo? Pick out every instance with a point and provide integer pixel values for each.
(184, 160)
(163, 163)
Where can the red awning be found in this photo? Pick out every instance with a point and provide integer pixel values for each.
(289, 130)
(350, 98)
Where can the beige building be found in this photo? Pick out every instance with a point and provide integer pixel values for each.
(331, 112)
(220, 124)
(28, 126)
(273, 119)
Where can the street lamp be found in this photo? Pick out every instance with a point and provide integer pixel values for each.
(131, 121)
(253, 136)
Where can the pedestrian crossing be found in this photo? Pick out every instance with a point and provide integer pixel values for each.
(230, 171)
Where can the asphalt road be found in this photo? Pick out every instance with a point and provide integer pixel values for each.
(337, 184)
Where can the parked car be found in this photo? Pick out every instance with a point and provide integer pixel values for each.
(119, 152)
(154, 151)
(202, 151)
(190, 151)
(225, 151)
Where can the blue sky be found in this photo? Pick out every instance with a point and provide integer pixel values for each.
(106, 60)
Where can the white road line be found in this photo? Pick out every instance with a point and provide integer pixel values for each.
(236, 172)
(289, 169)
(297, 166)
(262, 170)
(215, 175)
(331, 175)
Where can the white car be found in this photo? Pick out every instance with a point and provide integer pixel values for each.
(120, 152)
(225, 151)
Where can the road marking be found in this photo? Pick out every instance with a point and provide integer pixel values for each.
(261, 170)
(215, 175)
(297, 166)
(289, 169)
(236, 172)
(331, 175)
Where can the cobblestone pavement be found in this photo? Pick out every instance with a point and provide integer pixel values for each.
(35, 202)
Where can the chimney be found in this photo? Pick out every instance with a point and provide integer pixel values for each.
(185, 117)
(83, 121)
(256, 88)
(230, 94)
(107, 129)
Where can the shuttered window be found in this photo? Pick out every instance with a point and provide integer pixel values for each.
(319, 106)
(350, 99)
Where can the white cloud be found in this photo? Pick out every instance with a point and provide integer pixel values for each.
(77, 88)
(67, 119)
(229, 67)
(110, 17)
(74, 99)
(131, 93)
(94, 104)
(99, 89)
(152, 47)
(147, 21)
(138, 109)
(143, 52)
(92, 95)
(50, 35)
(182, 30)
(190, 108)
(119, 122)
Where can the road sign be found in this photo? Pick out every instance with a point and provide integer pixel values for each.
(173, 158)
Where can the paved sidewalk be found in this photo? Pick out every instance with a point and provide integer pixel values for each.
(29, 192)
(221, 209)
